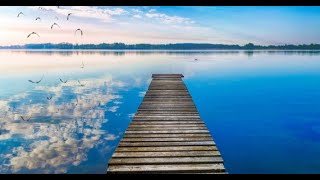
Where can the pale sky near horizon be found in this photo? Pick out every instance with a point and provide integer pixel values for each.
(167, 24)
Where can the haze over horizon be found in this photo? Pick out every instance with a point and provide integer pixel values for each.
(161, 25)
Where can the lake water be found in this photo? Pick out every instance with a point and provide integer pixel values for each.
(262, 107)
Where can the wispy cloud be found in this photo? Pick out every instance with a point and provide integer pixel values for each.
(85, 11)
(167, 19)
(136, 11)
(137, 16)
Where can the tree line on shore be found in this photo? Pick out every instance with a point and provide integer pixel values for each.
(176, 46)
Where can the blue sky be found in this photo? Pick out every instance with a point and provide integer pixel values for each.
(168, 24)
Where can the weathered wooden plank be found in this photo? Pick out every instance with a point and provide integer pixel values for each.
(166, 108)
(175, 95)
(166, 79)
(170, 88)
(170, 139)
(167, 75)
(150, 144)
(165, 135)
(167, 86)
(165, 160)
(179, 103)
(163, 122)
(163, 113)
(168, 148)
(167, 103)
(183, 98)
(164, 128)
(164, 125)
(167, 118)
(167, 154)
(168, 132)
(173, 85)
(190, 114)
(159, 104)
(158, 83)
(216, 167)
(168, 111)
(168, 94)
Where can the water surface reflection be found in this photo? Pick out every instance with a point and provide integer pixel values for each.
(250, 101)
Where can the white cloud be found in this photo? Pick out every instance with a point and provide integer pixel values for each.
(110, 137)
(115, 11)
(136, 11)
(152, 11)
(137, 16)
(85, 11)
(113, 109)
(164, 18)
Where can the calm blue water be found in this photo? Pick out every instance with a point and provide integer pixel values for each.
(261, 107)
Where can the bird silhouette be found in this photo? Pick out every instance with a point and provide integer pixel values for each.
(20, 13)
(82, 65)
(68, 16)
(38, 18)
(25, 119)
(33, 33)
(78, 30)
(80, 83)
(49, 98)
(37, 82)
(196, 59)
(54, 24)
(63, 81)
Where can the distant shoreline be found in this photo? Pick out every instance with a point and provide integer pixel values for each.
(164, 50)
(163, 47)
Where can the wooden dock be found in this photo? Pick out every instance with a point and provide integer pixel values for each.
(166, 134)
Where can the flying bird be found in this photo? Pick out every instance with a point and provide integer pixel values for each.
(68, 16)
(49, 98)
(80, 83)
(33, 33)
(37, 82)
(78, 30)
(54, 24)
(20, 14)
(196, 59)
(25, 119)
(82, 65)
(38, 18)
(63, 81)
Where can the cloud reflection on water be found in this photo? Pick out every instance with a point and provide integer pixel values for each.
(61, 131)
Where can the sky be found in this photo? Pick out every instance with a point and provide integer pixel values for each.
(161, 24)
